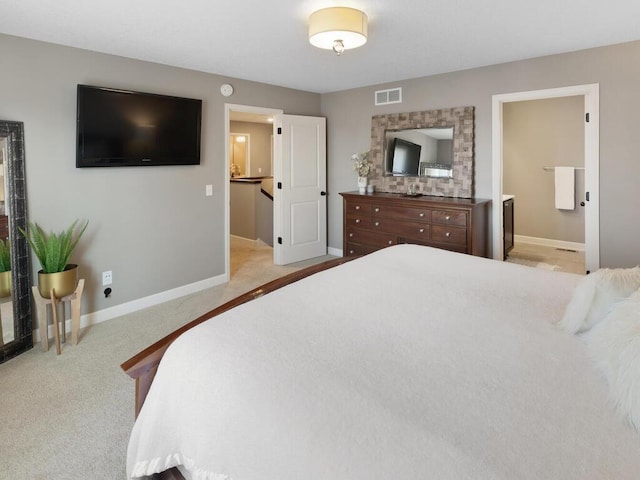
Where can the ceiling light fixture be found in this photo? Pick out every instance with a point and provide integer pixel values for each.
(338, 29)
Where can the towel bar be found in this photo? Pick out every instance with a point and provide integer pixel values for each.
(553, 168)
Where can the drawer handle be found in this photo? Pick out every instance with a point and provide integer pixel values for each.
(390, 242)
(377, 224)
(357, 207)
(351, 235)
(422, 214)
(447, 217)
(448, 234)
(357, 220)
(422, 230)
(377, 209)
(350, 252)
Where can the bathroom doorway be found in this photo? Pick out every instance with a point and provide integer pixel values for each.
(586, 197)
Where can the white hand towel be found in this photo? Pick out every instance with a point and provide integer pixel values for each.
(565, 188)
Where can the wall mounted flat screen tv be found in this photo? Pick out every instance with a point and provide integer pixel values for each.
(119, 128)
(405, 158)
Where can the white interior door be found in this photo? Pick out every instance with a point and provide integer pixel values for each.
(300, 180)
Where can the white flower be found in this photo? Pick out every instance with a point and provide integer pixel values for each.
(361, 163)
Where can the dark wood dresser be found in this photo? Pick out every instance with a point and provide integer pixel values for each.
(378, 220)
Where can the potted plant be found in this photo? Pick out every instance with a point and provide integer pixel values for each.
(5, 268)
(53, 251)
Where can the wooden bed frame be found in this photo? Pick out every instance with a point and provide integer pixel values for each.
(143, 366)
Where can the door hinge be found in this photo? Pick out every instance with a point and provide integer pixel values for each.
(587, 117)
(586, 196)
(280, 130)
(279, 185)
(279, 240)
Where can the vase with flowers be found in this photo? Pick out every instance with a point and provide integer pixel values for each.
(362, 166)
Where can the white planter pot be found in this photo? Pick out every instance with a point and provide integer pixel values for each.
(362, 184)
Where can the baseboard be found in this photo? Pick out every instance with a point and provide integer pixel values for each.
(336, 252)
(258, 242)
(548, 242)
(139, 304)
(246, 240)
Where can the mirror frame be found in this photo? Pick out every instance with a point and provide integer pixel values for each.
(460, 185)
(16, 199)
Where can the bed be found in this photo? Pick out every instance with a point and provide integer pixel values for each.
(410, 362)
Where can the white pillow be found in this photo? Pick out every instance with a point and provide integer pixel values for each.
(596, 295)
(615, 346)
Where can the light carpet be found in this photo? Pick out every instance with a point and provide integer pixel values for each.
(68, 417)
(533, 263)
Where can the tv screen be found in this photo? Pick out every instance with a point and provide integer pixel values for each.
(118, 128)
(405, 157)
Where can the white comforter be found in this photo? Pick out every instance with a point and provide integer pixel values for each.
(410, 363)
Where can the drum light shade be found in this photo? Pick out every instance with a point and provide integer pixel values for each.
(338, 29)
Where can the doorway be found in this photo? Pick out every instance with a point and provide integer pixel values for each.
(249, 184)
(589, 95)
(298, 168)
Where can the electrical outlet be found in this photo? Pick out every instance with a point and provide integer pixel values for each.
(208, 190)
(107, 278)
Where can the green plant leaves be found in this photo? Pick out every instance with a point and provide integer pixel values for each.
(53, 250)
(5, 256)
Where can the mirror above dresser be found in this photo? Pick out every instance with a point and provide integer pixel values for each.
(456, 181)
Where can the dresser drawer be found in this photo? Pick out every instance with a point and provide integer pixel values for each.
(361, 221)
(368, 237)
(449, 218)
(362, 208)
(401, 227)
(357, 249)
(401, 213)
(446, 234)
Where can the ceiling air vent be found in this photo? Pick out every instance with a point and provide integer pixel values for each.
(385, 97)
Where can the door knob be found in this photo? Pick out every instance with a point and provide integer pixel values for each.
(582, 204)
(323, 193)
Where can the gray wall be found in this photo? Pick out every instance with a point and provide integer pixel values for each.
(251, 212)
(260, 146)
(155, 228)
(264, 218)
(615, 68)
(152, 226)
(242, 209)
(536, 134)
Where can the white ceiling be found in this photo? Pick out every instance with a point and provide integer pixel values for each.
(266, 41)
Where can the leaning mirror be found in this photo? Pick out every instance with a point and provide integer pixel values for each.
(419, 152)
(15, 305)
